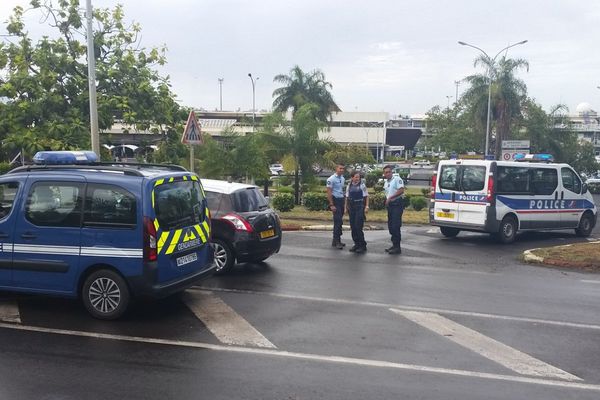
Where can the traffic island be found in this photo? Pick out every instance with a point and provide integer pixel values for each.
(579, 256)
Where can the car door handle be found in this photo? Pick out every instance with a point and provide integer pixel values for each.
(28, 235)
(562, 195)
(556, 195)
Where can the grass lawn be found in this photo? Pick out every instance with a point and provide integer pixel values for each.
(579, 255)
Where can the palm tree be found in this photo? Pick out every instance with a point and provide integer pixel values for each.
(300, 88)
(508, 93)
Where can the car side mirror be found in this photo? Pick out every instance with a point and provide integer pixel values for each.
(584, 189)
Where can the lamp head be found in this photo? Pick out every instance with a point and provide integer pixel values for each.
(523, 42)
(249, 74)
(462, 43)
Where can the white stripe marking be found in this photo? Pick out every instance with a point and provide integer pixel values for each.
(311, 357)
(9, 311)
(590, 281)
(227, 325)
(489, 348)
(410, 308)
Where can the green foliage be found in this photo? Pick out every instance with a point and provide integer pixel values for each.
(4, 167)
(373, 176)
(426, 192)
(418, 203)
(45, 85)
(406, 199)
(285, 189)
(377, 201)
(316, 201)
(285, 180)
(594, 188)
(454, 130)
(283, 202)
(347, 155)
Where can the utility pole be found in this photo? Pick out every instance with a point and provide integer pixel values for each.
(92, 81)
(456, 96)
(220, 94)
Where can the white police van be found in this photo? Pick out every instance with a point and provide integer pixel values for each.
(71, 226)
(503, 197)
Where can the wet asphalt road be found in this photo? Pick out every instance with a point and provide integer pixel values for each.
(340, 328)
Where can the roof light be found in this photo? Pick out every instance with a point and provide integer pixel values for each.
(542, 157)
(64, 157)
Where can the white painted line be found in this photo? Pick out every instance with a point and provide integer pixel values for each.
(410, 308)
(489, 348)
(310, 357)
(433, 230)
(9, 311)
(590, 281)
(227, 325)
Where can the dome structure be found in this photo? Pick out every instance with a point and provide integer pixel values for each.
(584, 109)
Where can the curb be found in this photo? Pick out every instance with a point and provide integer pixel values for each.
(529, 257)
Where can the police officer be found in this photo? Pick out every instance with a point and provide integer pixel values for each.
(335, 196)
(394, 191)
(357, 204)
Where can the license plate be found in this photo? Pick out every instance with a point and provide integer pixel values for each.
(186, 259)
(267, 234)
(445, 215)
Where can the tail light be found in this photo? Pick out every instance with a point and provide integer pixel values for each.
(150, 253)
(433, 184)
(238, 222)
(490, 189)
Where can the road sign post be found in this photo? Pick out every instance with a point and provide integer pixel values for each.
(192, 135)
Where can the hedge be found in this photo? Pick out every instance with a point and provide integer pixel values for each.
(283, 202)
(315, 201)
(594, 188)
(285, 189)
(418, 202)
(377, 201)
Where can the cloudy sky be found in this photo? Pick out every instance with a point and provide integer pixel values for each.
(398, 56)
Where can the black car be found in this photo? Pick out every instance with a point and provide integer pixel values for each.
(244, 227)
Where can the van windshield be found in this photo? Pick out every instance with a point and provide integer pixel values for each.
(178, 204)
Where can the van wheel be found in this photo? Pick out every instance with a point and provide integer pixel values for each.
(449, 232)
(224, 258)
(586, 225)
(508, 230)
(105, 294)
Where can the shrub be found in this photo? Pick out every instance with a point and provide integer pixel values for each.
(377, 201)
(315, 201)
(4, 167)
(285, 189)
(285, 180)
(373, 176)
(378, 188)
(426, 192)
(283, 202)
(261, 182)
(406, 199)
(594, 188)
(418, 203)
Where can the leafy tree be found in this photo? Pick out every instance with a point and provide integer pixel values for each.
(453, 130)
(348, 155)
(508, 92)
(45, 85)
(300, 88)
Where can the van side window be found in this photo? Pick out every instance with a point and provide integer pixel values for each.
(109, 206)
(55, 204)
(449, 177)
(8, 193)
(544, 180)
(512, 180)
(570, 180)
(473, 177)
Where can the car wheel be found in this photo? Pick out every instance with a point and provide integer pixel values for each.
(586, 225)
(224, 258)
(449, 232)
(508, 230)
(105, 294)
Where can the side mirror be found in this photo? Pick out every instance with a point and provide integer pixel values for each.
(584, 189)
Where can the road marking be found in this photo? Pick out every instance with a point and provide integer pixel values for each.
(310, 357)
(9, 311)
(227, 325)
(590, 281)
(483, 345)
(409, 308)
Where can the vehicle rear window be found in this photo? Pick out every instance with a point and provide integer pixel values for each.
(178, 204)
(249, 200)
(449, 177)
(473, 177)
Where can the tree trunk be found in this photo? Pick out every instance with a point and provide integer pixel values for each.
(296, 187)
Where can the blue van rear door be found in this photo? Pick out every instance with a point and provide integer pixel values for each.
(182, 227)
(47, 236)
(8, 202)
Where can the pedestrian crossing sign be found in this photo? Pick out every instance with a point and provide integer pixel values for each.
(192, 133)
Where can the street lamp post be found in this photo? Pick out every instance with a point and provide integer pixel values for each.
(91, 58)
(253, 97)
(220, 94)
(448, 97)
(492, 61)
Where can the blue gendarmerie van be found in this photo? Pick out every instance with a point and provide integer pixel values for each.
(104, 232)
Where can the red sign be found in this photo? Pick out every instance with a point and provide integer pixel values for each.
(192, 133)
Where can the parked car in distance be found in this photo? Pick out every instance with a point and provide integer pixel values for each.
(593, 179)
(422, 162)
(278, 168)
(245, 228)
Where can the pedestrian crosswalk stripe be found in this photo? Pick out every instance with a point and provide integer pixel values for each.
(485, 346)
(227, 325)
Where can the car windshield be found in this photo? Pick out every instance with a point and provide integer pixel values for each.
(249, 200)
(178, 204)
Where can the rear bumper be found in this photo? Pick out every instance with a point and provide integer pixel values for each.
(248, 248)
(145, 286)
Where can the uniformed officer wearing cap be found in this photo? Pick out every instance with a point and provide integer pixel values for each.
(394, 201)
(335, 196)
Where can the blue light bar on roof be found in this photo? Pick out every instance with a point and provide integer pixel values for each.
(542, 157)
(64, 157)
